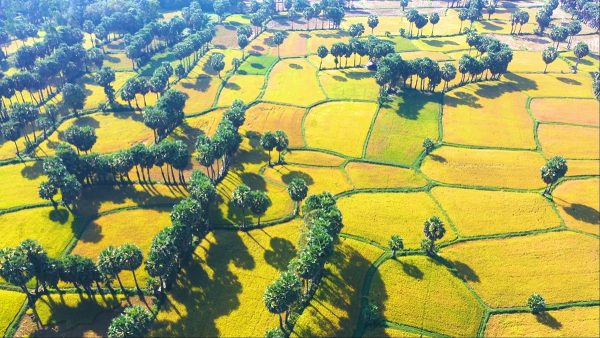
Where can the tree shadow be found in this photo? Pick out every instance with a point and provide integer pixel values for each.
(254, 181)
(488, 25)
(583, 213)
(32, 170)
(232, 86)
(339, 78)
(568, 81)
(462, 98)
(202, 83)
(440, 43)
(295, 66)
(547, 319)
(412, 270)
(462, 270)
(59, 215)
(282, 252)
(437, 158)
(288, 177)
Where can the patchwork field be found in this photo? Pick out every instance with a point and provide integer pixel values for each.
(504, 239)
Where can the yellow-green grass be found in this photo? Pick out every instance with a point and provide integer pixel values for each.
(531, 61)
(442, 44)
(261, 45)
(309, 157)
(570, 141)
(318, 179)
(52, 229)
(335, 308)
(578, 111)
(578, 204)
(242, 87)
(481, 212)
(575, 85)
(257, 64)
(328, 62)
(572, 322)
(367, 175)
(404, 288)
(224, 284)
(391, 24)
(583, 167)
(468, 116)
(328, 125)
(326, 38)
(72, 314)
(485, 167)
(8, 149)
(295, 44)
(117, 61)
(201, 90)
(401, 44)
(401, 127)
(378, 332)
(95, 93)
(395, 214)
(19, 184)
(206, 123)
(10, 304)
(114, 131)
(589, 63)
(138, 226)
(561, 266)
(240, 19)
(102, 198)
(264, 117)
(244, 170)
(434, 55)
(351, 84)
(291, 77)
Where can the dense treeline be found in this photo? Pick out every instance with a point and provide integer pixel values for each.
(322, 222)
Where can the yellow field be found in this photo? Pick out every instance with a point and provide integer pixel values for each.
(118, 62)
(366, 175)
(420, 292)
(335, 307)
(52, 229)
(265, 117)
(318, 179)
(578, 203)
(482, 167)
(576, 85)
(206, 123)
(19, 184)
(583, 167)
(390, 24)
(201, 90)
(572, 322)
(291, 77)
(561, 266)
(586, 64)
(224, 284)
(295, 44)
(480, 212)
(114, 131)
(104, 198)
(401, 127)
(570, 141)
(566, 110)
(468, 117)
(140, 225)
(532, 62)
(396, 214)
(326, 38)
(328, 126)
(243, 87)
(349, 84)
(436, 56)
(95, 93)
(308, 157)
(442, 44)
(378, 332)
(10, 304)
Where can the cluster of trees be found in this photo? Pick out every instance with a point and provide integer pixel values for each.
(472, 11)
(493, 60)
(153, 37)
(587, 11)
(192, 48)
(21, 120)
(322, 224)
(174, 245)
(552, 171)
(372, 47)
(434, 230)
(420, 21)
(133, 322)
(157, 84)
(246, 199)
(166, 115)
(29, 260)
(328, 11)
(518, 18)
(224, 143)
(544, 16)
(277, 140)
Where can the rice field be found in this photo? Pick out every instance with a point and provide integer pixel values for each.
(578, 203)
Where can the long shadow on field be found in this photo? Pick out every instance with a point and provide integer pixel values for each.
(200, 298)
(412, 270)
(510, 83)
(440, 43)
(412, 103)
(548, 320)
(32, 170)
(340, 289)
(459, 269)
(583, 213)
(282, 252)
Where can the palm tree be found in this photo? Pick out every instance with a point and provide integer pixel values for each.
(131, 257)
(549, 55)
(581, 50)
